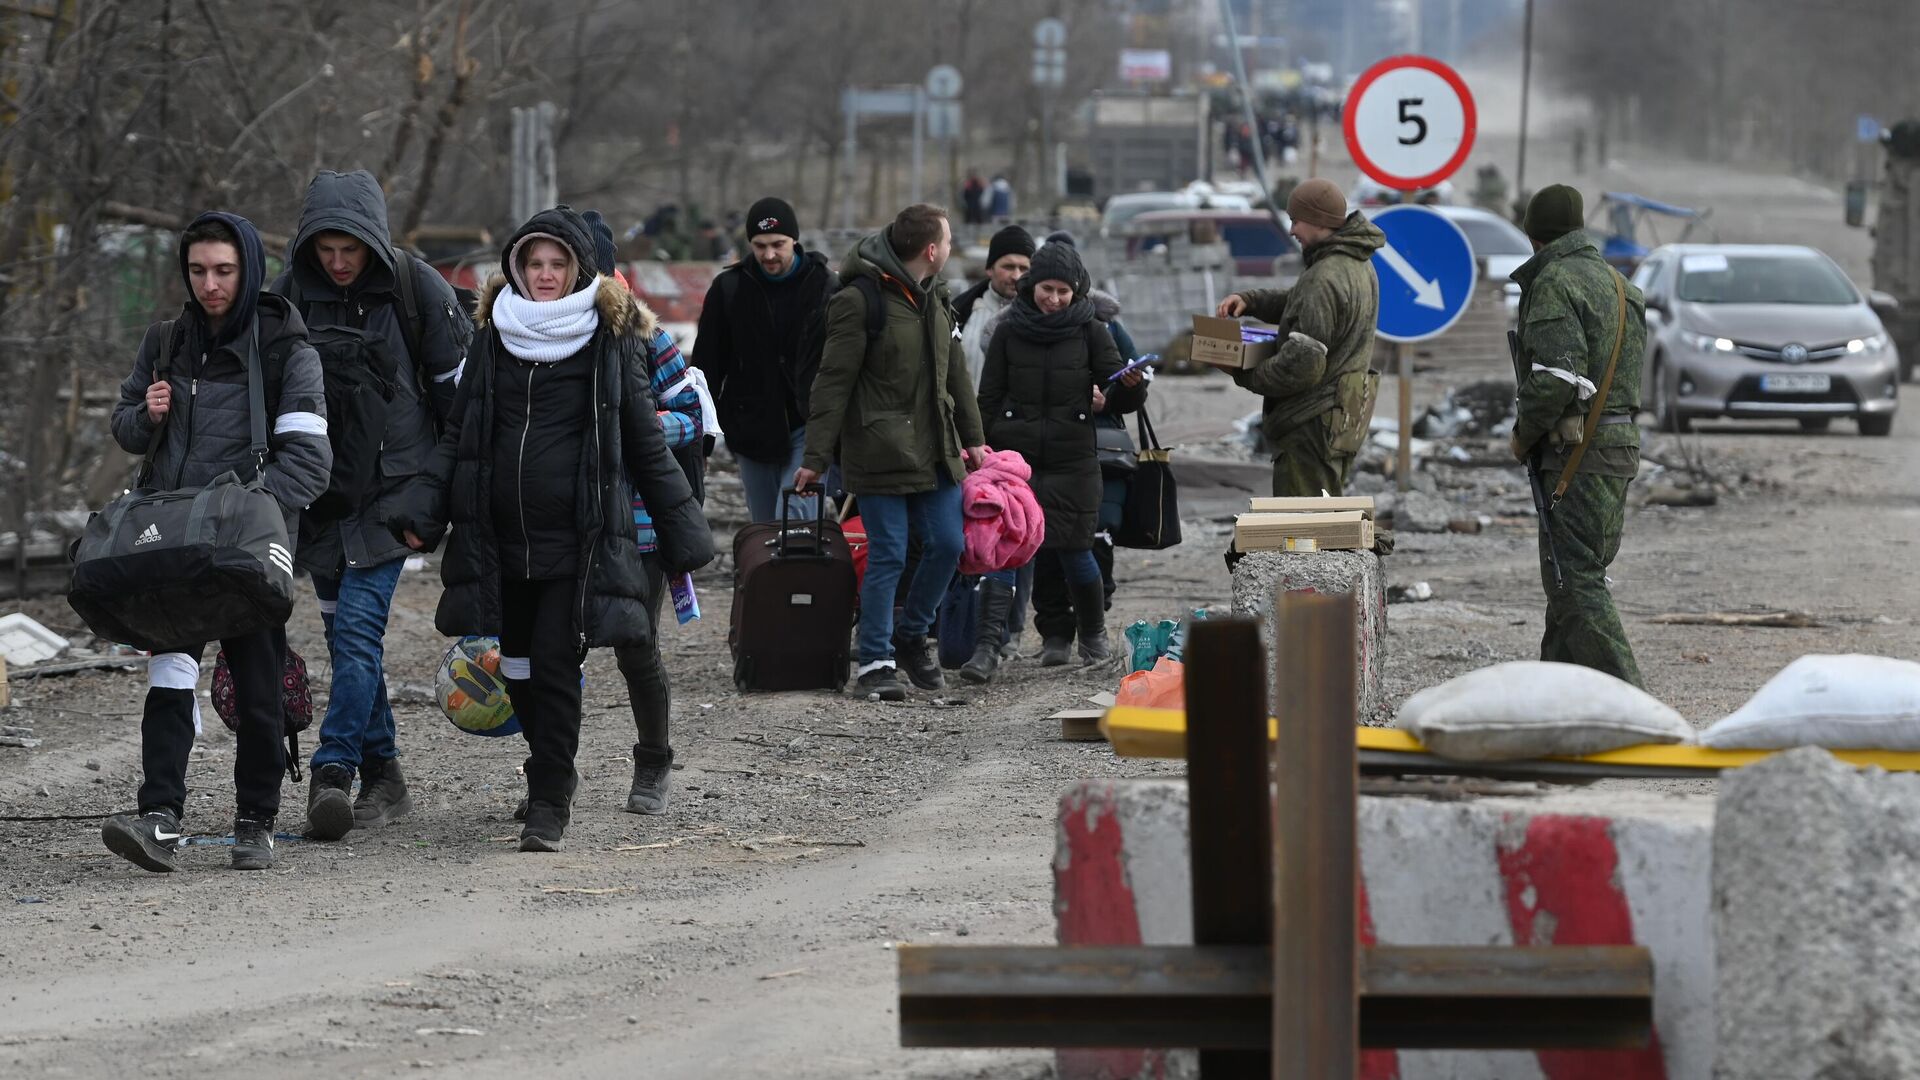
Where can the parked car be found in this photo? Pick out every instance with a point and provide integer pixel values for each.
(1763, 332)
(1260, 247)
(1124, 208)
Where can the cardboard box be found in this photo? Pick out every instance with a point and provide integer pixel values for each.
(1326, 504)
(1217, 342)
(1345, 530)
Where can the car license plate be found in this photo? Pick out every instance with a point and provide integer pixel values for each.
(1797, 383)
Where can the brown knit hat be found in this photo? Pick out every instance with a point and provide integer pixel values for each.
(1318, 202)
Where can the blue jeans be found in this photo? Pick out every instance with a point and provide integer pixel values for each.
(1079, 567)
(765, 480)
(933, 516)
(359, 721)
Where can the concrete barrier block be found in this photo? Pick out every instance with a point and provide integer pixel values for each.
(1566, 869)
(1259, 576)
(1816, 882)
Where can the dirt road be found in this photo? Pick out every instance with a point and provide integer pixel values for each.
(747, 932)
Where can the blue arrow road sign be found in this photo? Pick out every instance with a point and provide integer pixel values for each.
(1426, 272)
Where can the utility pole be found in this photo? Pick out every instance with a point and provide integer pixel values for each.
(1526, 86)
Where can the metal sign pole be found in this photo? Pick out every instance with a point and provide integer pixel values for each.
(852, 173)
(1246, 103)
(1404, 471)
(919, 140)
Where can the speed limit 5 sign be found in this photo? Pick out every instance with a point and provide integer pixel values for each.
(1409, 122)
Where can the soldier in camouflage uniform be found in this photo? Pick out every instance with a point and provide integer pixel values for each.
(1318, 389)
(1569, 321)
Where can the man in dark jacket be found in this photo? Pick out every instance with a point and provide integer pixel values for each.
(343, 271)
(1318, 388)
(752, 350)
(197, 423)
(901, 413)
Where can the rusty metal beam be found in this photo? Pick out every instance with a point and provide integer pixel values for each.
(1316, 855)
(1220, 997)
(1228, 781)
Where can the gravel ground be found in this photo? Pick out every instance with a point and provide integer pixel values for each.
(747, 931)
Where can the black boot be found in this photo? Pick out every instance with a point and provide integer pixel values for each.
(1089, 611)
(330, 813)
(652, 772)
(996, 605)
(383, 794)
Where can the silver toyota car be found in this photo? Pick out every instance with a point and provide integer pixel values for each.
(1762, 332)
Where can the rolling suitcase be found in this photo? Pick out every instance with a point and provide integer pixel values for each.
(793, 601)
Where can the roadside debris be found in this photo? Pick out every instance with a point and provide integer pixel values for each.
(1417, 593)
(1788, 620)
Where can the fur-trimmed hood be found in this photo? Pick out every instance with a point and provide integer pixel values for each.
(620, 311)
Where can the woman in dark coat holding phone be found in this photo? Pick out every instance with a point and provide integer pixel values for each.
(1048, 371)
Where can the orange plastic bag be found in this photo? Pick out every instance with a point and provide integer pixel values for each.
(1164, 686)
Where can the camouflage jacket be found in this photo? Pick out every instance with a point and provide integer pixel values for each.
(1569, 316)
(1336, 302)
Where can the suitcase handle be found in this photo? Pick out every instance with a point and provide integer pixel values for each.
(787, 495)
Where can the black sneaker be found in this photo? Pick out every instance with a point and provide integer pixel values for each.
(146, 840)
(252, 844)
(546, 827)
(880, 683)
(916, 658)
(383, 794)
(651, 776)
(330, 802)
(520, 808)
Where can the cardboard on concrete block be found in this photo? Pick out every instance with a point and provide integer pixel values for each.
(1816, 886)
(1576, 868)
(1259, 576)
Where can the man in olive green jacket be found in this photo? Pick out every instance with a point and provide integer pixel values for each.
(1576, 316)
(1318, 387)
(901, 414)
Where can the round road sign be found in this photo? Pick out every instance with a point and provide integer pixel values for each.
(944, 82)
(1409, 122)
(1050, 33)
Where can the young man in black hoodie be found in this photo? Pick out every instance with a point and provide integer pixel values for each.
(343, 272)
(202, 413)
(750, 346)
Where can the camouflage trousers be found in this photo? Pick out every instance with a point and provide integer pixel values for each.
(1582, 626)
(1304, 465)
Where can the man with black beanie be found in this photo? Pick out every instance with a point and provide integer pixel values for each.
(751, 347)
(1009, 254)
(1582, 336)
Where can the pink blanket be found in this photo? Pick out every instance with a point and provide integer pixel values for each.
(1004, 525)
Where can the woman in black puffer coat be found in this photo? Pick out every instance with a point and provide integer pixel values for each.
(553, 433)
(1049, 360)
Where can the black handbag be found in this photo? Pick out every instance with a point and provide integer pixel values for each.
(1151, 518)
(1118, 456)
(171, 569)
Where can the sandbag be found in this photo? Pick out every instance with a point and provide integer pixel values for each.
(1533, 708)
(1850, 702)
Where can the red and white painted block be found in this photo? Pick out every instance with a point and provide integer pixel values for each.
(1566, 869)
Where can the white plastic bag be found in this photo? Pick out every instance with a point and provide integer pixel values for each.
(1532, 708)
(1847, 702)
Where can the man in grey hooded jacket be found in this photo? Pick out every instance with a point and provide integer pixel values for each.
(343, 271)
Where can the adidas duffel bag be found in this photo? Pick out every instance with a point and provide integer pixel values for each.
(167, 569)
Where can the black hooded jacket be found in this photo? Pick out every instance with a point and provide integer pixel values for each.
(209, 427)
(565, 510)
(751, 347)
(352, 203)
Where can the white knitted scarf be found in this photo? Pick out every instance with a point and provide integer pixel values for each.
(546, 331)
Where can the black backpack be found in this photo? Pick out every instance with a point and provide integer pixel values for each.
(359, 371)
